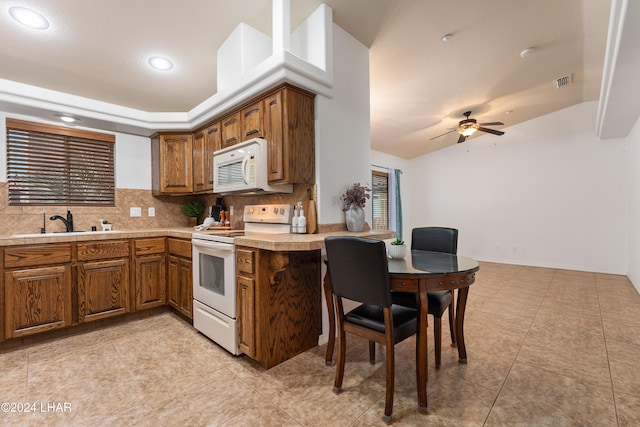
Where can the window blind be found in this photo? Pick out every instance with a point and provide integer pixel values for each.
(51, 165)
(380, 197)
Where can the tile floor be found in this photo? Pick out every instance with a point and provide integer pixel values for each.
(545, 347)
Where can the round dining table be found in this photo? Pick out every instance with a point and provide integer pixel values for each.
(420, 272)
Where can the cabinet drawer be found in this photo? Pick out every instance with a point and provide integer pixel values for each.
(244, 261)
(103, 250)
(180, 247)
(407, 285)
(30, 256)
(149, 246)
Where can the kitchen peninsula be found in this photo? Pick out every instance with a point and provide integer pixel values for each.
(73, 275)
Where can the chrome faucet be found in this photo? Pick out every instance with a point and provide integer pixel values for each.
(67, 222)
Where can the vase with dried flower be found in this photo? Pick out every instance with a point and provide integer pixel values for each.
(354, 199)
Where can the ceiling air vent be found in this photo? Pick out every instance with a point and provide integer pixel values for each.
(562, 81)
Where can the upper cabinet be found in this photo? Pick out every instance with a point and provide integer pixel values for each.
(231, 130)
(183, 163)
(289, 122)
(172, 163)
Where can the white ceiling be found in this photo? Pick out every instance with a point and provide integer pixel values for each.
(420, 86)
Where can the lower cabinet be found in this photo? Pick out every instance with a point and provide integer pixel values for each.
(103, 279)
(278, 301)
(180, 276)
(103, 289)
(37, 300)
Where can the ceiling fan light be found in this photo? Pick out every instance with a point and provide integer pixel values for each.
(468, 131)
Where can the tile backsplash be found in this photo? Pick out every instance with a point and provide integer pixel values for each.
(29, 219)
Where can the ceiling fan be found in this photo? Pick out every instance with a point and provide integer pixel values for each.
(468, 127)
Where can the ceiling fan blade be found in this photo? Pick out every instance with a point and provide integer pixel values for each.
(461, 139)
(493, 131)
(446, 133)
(492, 124)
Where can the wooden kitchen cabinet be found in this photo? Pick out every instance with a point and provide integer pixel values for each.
(230, 130)
(289, 131)
(205, 142)
(278, 301)
(37, 289)
(150, 268)
(103, 279)
(180, 276)
(252, 121)
(172, 164)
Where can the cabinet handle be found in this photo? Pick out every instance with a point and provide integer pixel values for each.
(251, 132)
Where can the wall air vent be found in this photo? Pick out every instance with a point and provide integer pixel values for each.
(562, 81)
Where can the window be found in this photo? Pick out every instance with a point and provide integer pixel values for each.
(380, 200)
(52, 165)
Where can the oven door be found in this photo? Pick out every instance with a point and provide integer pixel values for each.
(214, 275)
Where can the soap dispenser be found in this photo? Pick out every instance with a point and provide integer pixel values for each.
(302, 222)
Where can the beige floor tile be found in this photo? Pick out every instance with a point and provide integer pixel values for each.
(544, 347)
(533, 396)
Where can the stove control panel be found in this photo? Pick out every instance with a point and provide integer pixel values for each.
(271, 214)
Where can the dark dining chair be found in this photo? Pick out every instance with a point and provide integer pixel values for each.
(435, 239)
(358, 270)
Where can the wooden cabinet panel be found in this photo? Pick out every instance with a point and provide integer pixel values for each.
(103, 289)
(252, 121)
(103, 250)
(32, 256)
(244, 261)
(231, 130)
(246, 310)
(179, 247)
(289, 131)
(172, 164)
(155, 245)
(150, 285)
(180, 276)
(274, 137)
(37, 300)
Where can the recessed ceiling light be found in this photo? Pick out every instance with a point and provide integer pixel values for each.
(160, 63)
(29, 18)
(66, 118)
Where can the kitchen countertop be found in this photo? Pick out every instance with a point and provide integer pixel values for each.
(272, 242)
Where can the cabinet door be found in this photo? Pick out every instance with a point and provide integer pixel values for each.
(37, 300)
(199, 158)
(150, 281)
(186, 288)
(212, 143)
(246, 315)
(274, 136)
(103, 289)
(173, 282)
(180, 285)
(176, 165)
(252, 121)
(230, 130)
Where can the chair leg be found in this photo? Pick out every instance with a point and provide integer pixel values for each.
(337, 385)
(390, 344)
(452, 321)
(372, 352)
(437, 338)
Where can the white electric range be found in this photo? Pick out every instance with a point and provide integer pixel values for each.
(214, 271)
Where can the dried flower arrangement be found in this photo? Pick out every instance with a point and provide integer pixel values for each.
(355, 195)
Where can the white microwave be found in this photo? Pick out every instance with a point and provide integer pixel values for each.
(242, 168)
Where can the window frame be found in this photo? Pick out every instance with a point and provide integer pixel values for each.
(66, 139)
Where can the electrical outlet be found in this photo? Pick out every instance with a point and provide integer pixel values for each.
(135, 212)
(151, 212)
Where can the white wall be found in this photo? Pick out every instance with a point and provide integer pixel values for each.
(547, 193)
(132, 155)
(633, 160)
(342, 128)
